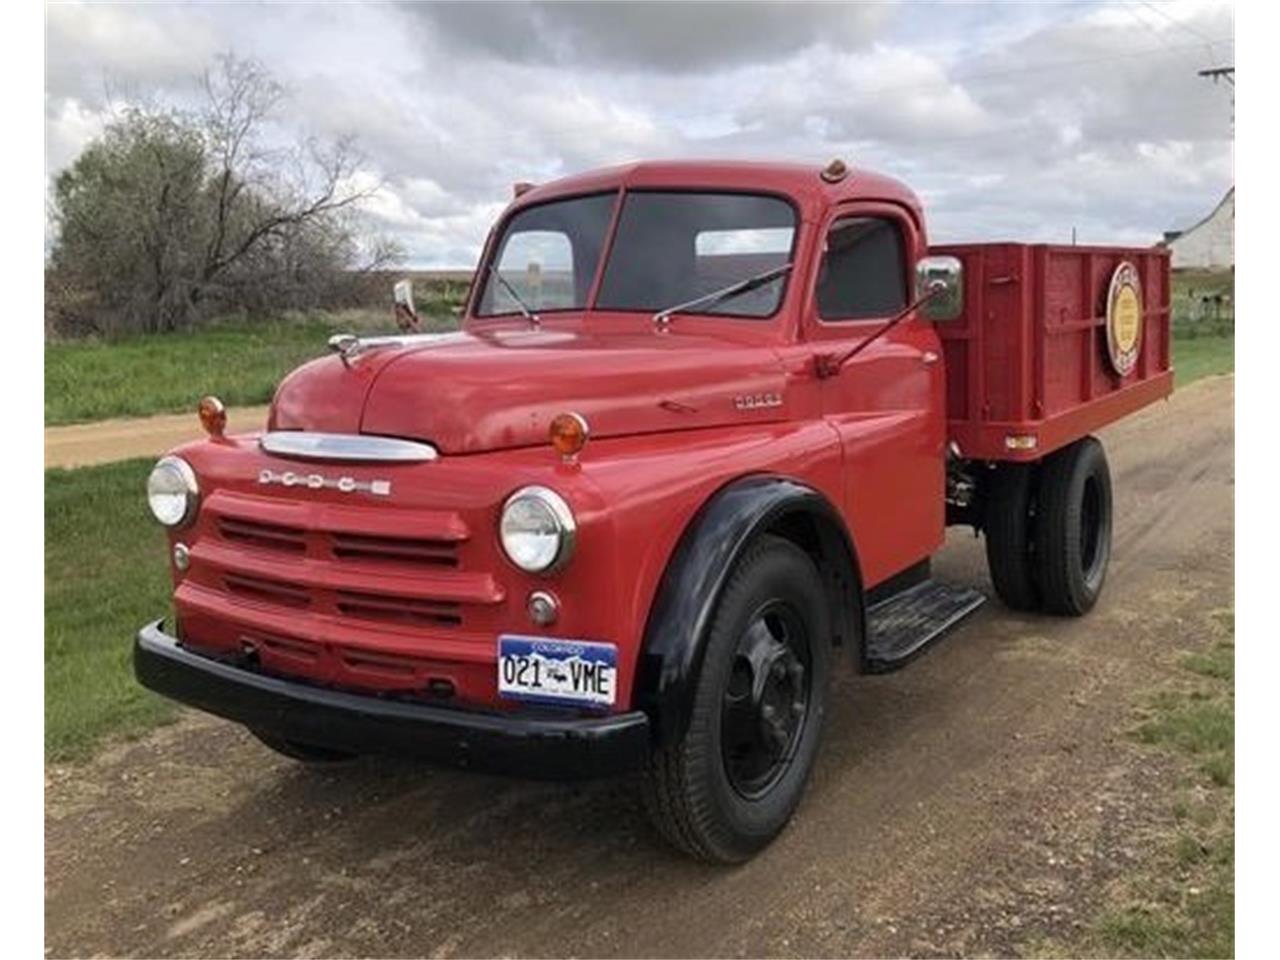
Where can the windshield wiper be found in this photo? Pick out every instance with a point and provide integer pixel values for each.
(533, 318)
(662, 319)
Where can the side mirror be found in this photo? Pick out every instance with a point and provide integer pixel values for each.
(943, 277)
(406, 312)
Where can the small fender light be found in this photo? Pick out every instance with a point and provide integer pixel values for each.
(569, 433)
(213, 416)
(543, 608)
(1020, 441)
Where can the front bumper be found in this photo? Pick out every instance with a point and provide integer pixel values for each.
(535, 747)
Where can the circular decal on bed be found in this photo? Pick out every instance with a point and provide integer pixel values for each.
(1124, 318)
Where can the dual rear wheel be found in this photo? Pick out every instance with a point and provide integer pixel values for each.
(1048, 530)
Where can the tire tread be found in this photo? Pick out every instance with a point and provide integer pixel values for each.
(1058, 524)
(680, 805)
(1007, 524)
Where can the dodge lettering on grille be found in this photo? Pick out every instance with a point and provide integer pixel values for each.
(318, 481)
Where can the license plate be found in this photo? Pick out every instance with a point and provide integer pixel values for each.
(543, 670)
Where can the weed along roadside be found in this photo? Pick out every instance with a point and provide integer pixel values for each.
(1179, 901)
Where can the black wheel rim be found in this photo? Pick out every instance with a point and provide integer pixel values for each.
(766, 701)
(1091, 533)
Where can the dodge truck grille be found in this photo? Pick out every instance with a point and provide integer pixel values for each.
(351, 563)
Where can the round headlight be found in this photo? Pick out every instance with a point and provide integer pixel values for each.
(172, 492)
(537, 529)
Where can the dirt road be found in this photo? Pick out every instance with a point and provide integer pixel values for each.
(84, 444)
(975, 802)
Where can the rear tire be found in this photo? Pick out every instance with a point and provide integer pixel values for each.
(1009, 525)
(302, 752)
(725, 788)
(1073, 527)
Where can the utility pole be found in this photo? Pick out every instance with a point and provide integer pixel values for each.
(1225, 73)
(1229, 75)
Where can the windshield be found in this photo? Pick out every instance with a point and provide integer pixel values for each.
(671, 248)
(547, 258)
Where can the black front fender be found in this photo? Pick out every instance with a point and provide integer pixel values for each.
(679, 621)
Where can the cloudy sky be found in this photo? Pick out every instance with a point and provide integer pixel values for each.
(1012, 120)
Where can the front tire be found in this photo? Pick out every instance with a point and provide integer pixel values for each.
(730, 783)
(1073, 527)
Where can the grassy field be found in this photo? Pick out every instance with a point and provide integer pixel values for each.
(1202, 357)
(104, 576)
(168, 373)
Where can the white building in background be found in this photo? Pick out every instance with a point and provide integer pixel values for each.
(1210, 244)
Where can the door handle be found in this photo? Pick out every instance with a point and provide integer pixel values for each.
(928, 357)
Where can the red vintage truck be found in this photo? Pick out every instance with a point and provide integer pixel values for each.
(700, 433)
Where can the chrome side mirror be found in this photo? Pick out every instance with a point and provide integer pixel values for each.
(941, 279)
(406, 312)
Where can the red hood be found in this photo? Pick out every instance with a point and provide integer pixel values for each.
(468, 393)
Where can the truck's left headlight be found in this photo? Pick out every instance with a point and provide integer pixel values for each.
(172, 492)
(537, 529)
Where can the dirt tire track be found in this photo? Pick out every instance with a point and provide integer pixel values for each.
(975, 802)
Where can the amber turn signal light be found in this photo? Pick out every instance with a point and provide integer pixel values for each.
(213, 416)
(569, 433)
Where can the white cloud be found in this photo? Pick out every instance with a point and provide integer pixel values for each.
(1010, 120)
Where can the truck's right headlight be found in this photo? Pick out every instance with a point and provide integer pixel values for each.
(537, 529)
(172, 492)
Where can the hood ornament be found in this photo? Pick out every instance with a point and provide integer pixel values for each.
(347, 346)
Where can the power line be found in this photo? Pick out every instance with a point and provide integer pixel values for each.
(1180, 23)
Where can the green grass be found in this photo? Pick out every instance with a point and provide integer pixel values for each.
(1183, 904)
(105, 575)
(168, 373)
(1202, 357)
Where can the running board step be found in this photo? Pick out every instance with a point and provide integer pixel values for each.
(901, 627)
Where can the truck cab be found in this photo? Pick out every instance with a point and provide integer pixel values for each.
(690, 452)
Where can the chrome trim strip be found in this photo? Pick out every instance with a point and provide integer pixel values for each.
(304, 445)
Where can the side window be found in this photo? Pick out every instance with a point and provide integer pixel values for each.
(864, 271)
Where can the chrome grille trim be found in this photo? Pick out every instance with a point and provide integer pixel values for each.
(304, 445)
